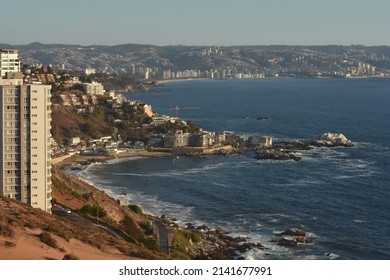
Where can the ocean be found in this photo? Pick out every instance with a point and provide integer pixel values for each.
(339, 196)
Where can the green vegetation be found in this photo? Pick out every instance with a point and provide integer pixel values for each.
(150, 243)
(173, 127)
(193, 235)
(182, 239)
(93, 210)
(136, 209)
(76, 195)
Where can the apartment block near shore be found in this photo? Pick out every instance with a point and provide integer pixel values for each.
(25, 115)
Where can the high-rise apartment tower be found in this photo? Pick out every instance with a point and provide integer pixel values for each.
(25, 163)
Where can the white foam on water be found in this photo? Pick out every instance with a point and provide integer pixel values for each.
(119, 160)
(154, 206)
(332, 256)
(219, 184)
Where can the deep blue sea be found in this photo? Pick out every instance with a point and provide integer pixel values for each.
(339, 196)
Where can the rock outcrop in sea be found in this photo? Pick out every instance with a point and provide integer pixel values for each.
(293, 237)
(288, 150)
(331, 140)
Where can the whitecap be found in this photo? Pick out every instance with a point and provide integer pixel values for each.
(119, 160)
(312, 235)
(332, 256)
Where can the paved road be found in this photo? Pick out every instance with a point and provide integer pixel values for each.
(163, 236)
(62, 212)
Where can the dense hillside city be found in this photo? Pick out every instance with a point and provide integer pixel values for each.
(177, 62)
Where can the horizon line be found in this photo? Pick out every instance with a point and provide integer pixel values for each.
(185, 45)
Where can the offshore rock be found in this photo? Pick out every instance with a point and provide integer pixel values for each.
(293, 241)
(294, 232)
(276, 153)
(288, 150)
(285, 242)
(331, 140)
(295, 236)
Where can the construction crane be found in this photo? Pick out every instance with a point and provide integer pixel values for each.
(177, 109)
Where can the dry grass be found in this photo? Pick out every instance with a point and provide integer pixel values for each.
(17, 219)
(46, 238)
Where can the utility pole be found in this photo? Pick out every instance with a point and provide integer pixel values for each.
(97, 213)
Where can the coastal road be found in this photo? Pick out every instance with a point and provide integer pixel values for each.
(63, 213)
(163, 230)
(163, 236)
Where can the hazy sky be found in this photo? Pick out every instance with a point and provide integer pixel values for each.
(196, 22)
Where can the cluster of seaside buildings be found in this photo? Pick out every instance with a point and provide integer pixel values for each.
(205, 139)
(149, 73)
(208, 74)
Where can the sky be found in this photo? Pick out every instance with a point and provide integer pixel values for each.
(196, 22)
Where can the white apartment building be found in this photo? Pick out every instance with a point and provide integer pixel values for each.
(176, 140)
(9, 61)
(90, 71)
(93, 88)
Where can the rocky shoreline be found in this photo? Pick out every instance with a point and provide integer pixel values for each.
(288, 150)
(213, 244)
(218, 243)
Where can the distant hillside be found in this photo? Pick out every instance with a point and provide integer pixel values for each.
(267, 59)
